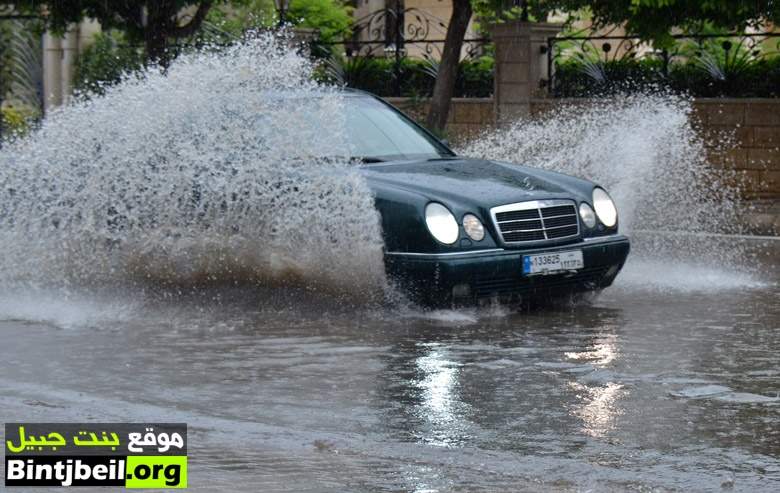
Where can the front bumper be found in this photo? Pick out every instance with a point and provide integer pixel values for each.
(431, 278)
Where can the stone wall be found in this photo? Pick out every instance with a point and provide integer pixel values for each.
(755, 126)
(752, 124)
(743, 135)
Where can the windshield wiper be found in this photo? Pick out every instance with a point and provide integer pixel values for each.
(443, 158)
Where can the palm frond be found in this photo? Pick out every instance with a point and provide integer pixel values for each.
(23, 71)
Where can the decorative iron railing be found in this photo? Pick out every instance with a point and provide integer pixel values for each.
(396, 34)
(717, 61)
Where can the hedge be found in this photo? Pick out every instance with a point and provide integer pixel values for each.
(417, 77)
(578, 78)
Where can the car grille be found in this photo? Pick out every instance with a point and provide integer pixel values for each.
(536, 221)
(583, 279)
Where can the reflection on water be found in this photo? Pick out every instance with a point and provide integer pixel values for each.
(598, 407)
(440, 404)
(601, 353)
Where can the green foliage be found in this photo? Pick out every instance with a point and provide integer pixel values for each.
(655, 19)
(756, 77)
(492, 11)
(377, 75)
(20, 62)
(105, 62)
(475, 78)
(125, 15)
(238, 16)
(5, 59)
(149, 22)
(330, 17)
(714, 67)
(16, 120)
(582, 76)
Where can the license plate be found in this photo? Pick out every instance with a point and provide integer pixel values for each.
(549, 263)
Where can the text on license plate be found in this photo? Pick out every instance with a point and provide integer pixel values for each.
(547, 263)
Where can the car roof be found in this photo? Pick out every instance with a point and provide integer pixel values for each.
(357, 92)
(294, 94)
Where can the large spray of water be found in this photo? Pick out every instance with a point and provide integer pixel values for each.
(225, 168)
(644, 149)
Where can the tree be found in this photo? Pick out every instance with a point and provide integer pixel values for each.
(329, 17)
(444, 86)
(152, 23)
(462, 11)
(654, 20)
(105, 62)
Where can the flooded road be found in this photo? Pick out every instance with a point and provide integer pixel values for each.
(669, 380)
(662, 385)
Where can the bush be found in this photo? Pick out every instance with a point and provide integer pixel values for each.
(105, 62)
(330, 18)
(15, 120)
(417, 77)
(761, 79)
(578, 77)
(475, 78)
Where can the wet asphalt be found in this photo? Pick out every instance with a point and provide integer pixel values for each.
(670, 380)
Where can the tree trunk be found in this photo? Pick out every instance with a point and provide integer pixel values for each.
(448, 68)
(156, 44)
(163, 23)
(160, 22)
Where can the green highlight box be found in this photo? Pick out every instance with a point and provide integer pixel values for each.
(161, 471)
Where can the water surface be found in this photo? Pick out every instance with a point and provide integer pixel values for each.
(661, 384)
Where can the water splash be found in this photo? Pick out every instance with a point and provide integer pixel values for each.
(223, 169)
(645, 150)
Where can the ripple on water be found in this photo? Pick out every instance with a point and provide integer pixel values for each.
(724, 394)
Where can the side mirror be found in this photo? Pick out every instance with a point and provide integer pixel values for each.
(445, 142)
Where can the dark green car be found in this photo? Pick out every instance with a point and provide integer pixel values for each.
(459, 229)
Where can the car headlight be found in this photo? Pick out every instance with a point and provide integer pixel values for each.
(473, 227)
(441, 223)
(587, 215)
(605, 207)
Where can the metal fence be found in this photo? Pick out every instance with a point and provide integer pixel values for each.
(718, 57)
(396, 34)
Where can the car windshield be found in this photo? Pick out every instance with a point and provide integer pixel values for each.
(376, 132)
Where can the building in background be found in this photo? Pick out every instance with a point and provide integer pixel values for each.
(423, 25)
(60, 55)
(37, 71)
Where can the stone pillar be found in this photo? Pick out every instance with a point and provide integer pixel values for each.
(521, 66)
(52, 71)
(70, 52)
(60, 54)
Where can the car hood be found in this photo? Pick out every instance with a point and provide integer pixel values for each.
(483, 183)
